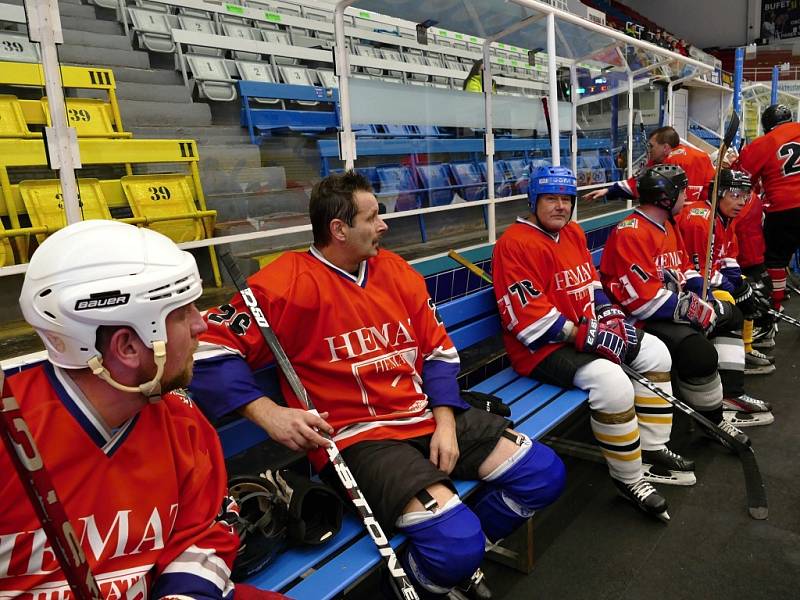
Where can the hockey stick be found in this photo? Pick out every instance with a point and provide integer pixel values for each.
(472, 267)
(754, 484)
(37, 483)
(342, 470)
(783, 317)
(730, 133)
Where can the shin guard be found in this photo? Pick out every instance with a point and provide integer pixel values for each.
(778, 277)
(702, 393)
(653, 412)
(445, 546)
(618, 436)
(532, 478)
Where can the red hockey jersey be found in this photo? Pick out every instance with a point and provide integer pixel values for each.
(635, 257)
(774, 158)
(142, 499)
(698, 167)
(693, 222)
(750, 232)
(359, 343)
(540, 282)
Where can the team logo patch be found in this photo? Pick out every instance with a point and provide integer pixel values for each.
(700, 212)
(102, 300)
(628, 224)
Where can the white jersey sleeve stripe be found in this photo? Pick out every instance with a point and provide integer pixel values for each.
(536, 329)
(649, 308)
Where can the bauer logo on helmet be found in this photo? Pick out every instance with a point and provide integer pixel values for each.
(102, 300)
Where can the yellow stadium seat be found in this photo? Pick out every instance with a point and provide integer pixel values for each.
(89, 116)
(166, 203)
(45, 208)
(12, 119)
(6, 250)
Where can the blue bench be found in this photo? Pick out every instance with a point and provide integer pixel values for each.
(320, 572)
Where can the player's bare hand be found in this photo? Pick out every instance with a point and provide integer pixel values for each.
(297, 429)
(594, 195)
(444, 443)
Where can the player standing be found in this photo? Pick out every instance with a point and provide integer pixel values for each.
(774, 160)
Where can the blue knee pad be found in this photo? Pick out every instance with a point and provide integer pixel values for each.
(514, 491)
(444, 549)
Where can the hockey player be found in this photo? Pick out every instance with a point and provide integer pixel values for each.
(772, 160)
(559, 327)
(646, 271)
(136, 465)
(363, 335)
(664, 147)
(727, 285)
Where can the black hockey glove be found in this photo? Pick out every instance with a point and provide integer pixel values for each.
(745, 299)
(486, 402)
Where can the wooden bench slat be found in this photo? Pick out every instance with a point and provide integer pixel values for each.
(240, 435)
(554, 413)
(464, 310)
(475, 332)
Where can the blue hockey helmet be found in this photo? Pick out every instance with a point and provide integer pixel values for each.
(551, 180)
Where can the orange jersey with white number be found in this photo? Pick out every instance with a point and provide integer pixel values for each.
(774, 158)
(635, 258)
(360, 344)
(541, 281)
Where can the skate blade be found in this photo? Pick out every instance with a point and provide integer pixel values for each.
(663, 516)
(765, 370)
(742, 419)
(668, 476)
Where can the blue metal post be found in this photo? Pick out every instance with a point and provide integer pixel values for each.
(738, 69)
(773, 99)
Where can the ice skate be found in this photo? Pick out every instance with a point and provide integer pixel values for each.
(746, 411)
(758, 363)
(764, 334)
(667, 467)
(474, 588)
(645, 497)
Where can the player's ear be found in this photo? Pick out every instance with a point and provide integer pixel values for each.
(124, 348)
(337, 228)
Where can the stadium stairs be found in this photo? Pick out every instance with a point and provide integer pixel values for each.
(154, 103)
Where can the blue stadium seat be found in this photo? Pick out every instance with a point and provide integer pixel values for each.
(520, 172)
(503, 184)
(468, 178)
(436, 179)
(398, 189)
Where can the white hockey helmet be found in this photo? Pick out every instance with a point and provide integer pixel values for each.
(99, 272)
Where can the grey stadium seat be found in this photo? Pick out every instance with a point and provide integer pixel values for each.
(200, 25)
(257, 71)
(152, 29)
(16, 47)
(242, 32)
(213, 79)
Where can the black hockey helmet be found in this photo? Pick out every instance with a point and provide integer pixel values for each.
(731, 180)
(276, 508)
(774, 115)
(661, 185)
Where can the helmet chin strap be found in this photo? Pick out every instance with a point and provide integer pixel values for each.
(151, 389)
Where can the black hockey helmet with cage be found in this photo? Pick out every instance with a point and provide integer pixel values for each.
(731, 180)
(661, 185)
(774, 115)
(278, 508)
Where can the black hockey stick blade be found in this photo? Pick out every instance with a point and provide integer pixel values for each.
(779, 315)
(374, 529)
(730, 132)
(754, 483)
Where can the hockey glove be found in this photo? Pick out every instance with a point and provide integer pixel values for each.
(486, 402)
(671, 280)
(761, 296)
(607, 314)
(605, 340)
(724, 314)
(691, 310)
(745, 299)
